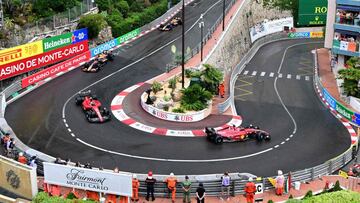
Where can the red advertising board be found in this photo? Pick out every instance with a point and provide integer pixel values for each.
(34, 62)
(53, 70)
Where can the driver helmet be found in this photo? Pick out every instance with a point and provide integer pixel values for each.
(251, 126)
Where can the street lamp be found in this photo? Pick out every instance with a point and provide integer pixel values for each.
(223, 25)
(201, 26)
(183, 47)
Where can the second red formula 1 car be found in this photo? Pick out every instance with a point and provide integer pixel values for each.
(236, 134)
(94, 112)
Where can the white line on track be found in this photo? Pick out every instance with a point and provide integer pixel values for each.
(262, 74)
(173, 160)
(254, 73)
(271, 74)
(246, 72)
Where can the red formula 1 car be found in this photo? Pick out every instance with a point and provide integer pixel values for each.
(93, 110)
(236, 134)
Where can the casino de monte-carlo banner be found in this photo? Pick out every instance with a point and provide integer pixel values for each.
(88, 179)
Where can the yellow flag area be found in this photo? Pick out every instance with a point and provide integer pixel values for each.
(343, 174)
(272, 181)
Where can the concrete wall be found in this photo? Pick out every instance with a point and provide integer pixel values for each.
(236, 41)
(330, 20)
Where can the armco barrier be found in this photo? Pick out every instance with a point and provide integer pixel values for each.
(211, 182)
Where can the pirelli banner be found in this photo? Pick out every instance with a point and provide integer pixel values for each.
(44, 59)
(27, 57)
(18, 178)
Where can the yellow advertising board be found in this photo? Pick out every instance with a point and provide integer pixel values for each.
(316, 34)
(20, 52)
(18, 178)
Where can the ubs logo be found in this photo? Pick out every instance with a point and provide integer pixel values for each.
(10, 55)
(13, 179)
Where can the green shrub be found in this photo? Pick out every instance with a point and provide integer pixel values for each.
(178, 110)
(195, 98)
(166, 108)
(212, 77)
(172, 83)
(94, 22)
(336, 187)
(43, 197)
(270, 201)
(308, 194)
(71, 196)
(167, 98)
(156, 87)
(293, 201)
(291, 197)
(344, 196)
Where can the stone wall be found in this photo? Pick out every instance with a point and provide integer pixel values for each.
(237, 42)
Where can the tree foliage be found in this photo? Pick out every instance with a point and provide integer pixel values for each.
(284, 5)
(195, 98)
(94, 22)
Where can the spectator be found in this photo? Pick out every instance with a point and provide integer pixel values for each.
(186, 186)
(279, 187)
(200, 193)
(67, 162)
(116, 170)
(22, 159)
(250, 190)
(78, 164)
(171, 185)
(150, 182)
(225, 186)
(92, 195)
(5, 139)
(9, 146)
(58, 161)
(32, 162)
(87, 165)
(135, 188)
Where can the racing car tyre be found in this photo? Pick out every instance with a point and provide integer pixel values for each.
(90, 114)
(260, 137)
(219, 140)
(78, 100)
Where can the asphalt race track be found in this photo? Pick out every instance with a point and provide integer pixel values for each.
(316, 137)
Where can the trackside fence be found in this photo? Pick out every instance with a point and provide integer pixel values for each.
(211, 182)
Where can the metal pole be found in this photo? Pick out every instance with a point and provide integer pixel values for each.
(223, 25)
(2, 14)
(183, 47)
(201, 25)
